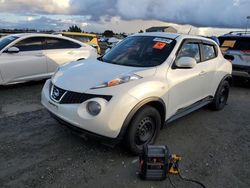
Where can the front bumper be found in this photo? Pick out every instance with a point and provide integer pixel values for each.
(108, 123)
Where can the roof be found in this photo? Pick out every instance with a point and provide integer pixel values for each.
(31, 34)
(173, 36)
(160, 34)
(237, 34)
(21, 35)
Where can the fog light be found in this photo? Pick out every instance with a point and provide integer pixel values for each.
(94, 108)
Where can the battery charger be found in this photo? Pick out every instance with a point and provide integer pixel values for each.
(154, 162)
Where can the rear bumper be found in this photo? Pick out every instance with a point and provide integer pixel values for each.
(241, 71)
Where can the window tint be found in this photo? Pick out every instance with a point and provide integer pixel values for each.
(209, 52)
(30, 44)
(190, 50)
(56, 43)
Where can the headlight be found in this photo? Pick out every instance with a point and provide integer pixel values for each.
(118, 81)
(94, 108)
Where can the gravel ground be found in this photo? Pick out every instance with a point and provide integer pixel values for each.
(36, 151)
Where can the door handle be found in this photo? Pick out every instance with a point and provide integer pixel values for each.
(202, 73)
(71, 53)
(39, 55)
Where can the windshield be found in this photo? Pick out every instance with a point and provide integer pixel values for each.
(6, 41)
(140, 51)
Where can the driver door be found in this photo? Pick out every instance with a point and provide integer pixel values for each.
(185, 85)
(27, 64)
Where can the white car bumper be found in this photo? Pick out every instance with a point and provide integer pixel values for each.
(108, 123)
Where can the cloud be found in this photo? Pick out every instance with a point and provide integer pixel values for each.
(35, 7)
(223, 13)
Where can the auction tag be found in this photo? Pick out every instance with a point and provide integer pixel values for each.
(159, 45)
(229, 43)
(168, 41)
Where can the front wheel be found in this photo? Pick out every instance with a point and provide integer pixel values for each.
(143, 129)
(221, 96)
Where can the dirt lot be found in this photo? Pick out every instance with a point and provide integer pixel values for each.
(35, 151)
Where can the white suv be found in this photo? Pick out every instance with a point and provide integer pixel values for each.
(144, 82)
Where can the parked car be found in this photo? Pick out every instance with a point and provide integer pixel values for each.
(26, 57)
(146, 81)
(87, 38)
(237, 44)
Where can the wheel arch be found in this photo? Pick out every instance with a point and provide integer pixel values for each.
(228, 78)
(155, 102)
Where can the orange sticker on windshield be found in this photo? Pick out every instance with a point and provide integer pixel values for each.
(159, 45)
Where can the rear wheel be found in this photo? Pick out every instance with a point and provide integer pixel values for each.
(143, 129)
(221, 96)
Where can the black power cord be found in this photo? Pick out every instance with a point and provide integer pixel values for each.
(184, 178)
(173, 185)
(191, 180)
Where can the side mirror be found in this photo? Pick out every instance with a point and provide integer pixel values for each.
(229, 57)
(186, 62)
(13, 50)
(107, 50)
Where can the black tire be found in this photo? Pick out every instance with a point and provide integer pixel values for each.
(221, 96)
(143, 129)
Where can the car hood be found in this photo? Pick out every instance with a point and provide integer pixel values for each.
(82, 75)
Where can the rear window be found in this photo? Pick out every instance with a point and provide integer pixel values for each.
(83, 39)
(234, 43)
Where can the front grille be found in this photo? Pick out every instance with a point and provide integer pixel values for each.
(70, 97)
(57, 93)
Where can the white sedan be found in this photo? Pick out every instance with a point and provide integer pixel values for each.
(26, 57)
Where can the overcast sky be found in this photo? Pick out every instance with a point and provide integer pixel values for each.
(125, 15)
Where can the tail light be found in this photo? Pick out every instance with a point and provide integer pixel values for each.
(245, 51)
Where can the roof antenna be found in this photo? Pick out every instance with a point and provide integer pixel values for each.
(190, 29)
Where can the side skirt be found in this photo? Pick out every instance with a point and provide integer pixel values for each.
(187, 110)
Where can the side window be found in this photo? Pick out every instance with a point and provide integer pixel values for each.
(30, 44)
(190, 50)
(56, 43)
(209, 52)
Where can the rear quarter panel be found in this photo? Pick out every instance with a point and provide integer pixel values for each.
(224, 68)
